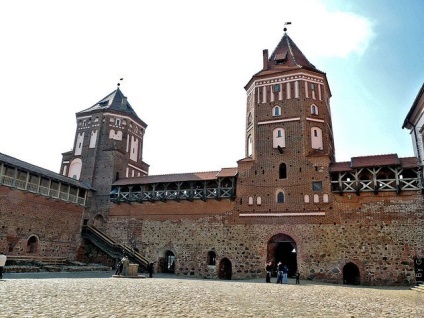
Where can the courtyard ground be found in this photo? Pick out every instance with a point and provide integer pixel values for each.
(97, 294)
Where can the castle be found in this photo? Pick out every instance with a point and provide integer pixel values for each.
(288, 200)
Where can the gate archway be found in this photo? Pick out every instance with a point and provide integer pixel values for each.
(351, 274)
(282, 248)
(225, 269)
(167, 263)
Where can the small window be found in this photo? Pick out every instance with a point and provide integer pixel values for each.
(250, 200)
(306, 198)
(211, 258)
(280, 197)
(282, 171)
(118, 122)
(312, 86)
(279, 133)
(317, 186)
(316, 198)
(314, 110)
(325, 198)
(276, 88)
(276, 111)
(258, 201)
(315, 133)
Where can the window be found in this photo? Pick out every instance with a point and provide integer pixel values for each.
(258, 201)
(276, 111)
(211, 258)
(314, 110)
(249, 146)
(278, 138)
(280, 197)
(316, 198)
(316, 138)
(276, 88)
(317, 185)
(306, 198)
(250, 200)
(282, 171)
(118, 122)
(325, 198)
(312, 86)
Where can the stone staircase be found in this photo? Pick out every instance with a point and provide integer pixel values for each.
(111, 247)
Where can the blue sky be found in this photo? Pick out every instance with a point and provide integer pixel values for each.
(185, 64)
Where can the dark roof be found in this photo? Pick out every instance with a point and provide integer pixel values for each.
(25, 166)
(115, 101)
(286, 57)
(374, 161)
(407, 122)
(179, 177)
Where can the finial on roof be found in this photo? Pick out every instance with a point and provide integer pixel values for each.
(120, 80)
(286, 23)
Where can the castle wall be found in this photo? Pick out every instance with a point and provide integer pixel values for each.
(53, 225)
(380, 234)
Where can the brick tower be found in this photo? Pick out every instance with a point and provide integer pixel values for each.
(289, 137)
(108, 145)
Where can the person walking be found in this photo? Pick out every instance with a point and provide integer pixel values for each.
(297, 277)
(285, 273)
(268, 269)
(3, 259)
(150, 269)
(125, 265)
(279, 273)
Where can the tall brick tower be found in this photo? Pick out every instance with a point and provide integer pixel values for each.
(289, 137)
(108, 145)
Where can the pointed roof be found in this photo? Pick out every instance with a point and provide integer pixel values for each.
(286, 57)
(115, 101)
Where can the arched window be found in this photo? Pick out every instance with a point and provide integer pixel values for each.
(249, 146)
(250, 200)
(258, 201)
(316, 198)
(316, 138)
(325, 198)
(306, 198)
(75, 169)
(280, 197)
(278, 138)
(276, 111)
(282, 172)
(211, 258)
(314, 110)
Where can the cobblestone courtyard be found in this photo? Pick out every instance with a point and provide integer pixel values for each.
(99, 295)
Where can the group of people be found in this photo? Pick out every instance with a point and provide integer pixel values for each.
(124, 263)
(282, 273)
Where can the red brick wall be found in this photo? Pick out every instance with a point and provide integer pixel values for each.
(56, 224)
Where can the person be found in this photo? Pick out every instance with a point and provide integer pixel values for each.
(119, 268)
(285, 273)
(150, 269)
(125, 264)
(268, 269)
(297, 277)
(3, 259)
(279, 273)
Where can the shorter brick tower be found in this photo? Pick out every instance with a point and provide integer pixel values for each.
(108, 145)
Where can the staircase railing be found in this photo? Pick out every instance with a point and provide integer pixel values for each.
(111, 247)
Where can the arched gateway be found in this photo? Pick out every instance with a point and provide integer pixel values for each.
(282, 248)
(351, 275)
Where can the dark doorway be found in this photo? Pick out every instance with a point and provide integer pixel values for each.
(168, 262)
(225, 269)
(32, 244)
(282, 248)
(351, 274)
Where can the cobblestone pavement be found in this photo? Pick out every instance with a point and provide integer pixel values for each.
(100, 295)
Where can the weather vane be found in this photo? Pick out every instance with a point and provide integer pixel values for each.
(120, 80)
(286, 23)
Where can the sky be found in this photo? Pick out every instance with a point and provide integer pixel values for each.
(185, 64)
